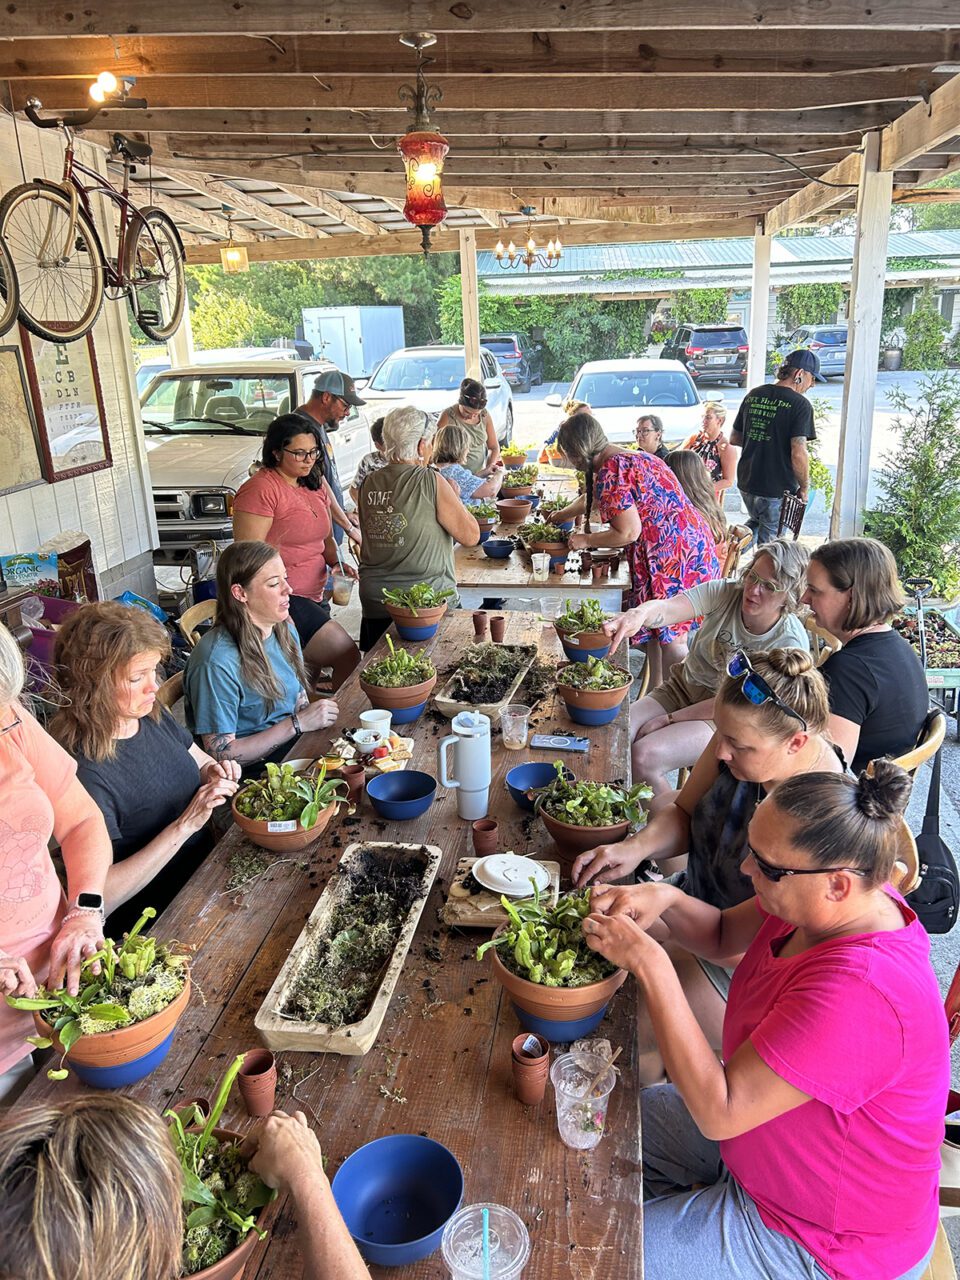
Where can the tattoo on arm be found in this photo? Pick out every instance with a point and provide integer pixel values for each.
(219, 745)
(656, 620)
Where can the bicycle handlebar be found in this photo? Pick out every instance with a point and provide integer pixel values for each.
(69, 119)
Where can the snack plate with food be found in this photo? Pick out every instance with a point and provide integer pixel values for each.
(394, 754)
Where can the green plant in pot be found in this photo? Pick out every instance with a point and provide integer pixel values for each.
(400, 682)
(513, 455)
(581, 814)
(417, 610)
(285, 810)
(520, 480)
(593, 691)
(222, 1196)
(541, 535)
(580, 628)
(484, 512)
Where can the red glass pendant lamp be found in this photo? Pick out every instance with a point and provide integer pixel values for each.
(423, 149)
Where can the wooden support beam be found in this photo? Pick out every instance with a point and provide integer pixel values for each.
(816, 197)
(245, 203)
(463, 164)
(470, 301)
(682, 51)
(488, 216)
(759, 306)
(923, 127)
(185, 215)
(334, 208)
(910, 195)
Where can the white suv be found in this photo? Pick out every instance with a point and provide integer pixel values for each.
(204, 427)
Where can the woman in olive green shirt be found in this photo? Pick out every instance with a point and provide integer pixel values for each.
(409, 517)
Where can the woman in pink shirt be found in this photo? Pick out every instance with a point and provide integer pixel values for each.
(285, 504)
(817, 1137)
(44, 937)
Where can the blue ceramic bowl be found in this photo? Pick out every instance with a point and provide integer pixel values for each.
(592, 715)
(402, 795)
(560, 1032)
(534, 500)
(397, 1194)
(497, 548)
(522, 777)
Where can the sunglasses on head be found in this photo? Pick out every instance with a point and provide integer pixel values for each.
(755, 689)
(776, 874)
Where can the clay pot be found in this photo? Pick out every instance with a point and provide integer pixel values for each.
(598, 571)
(558, 567)
(234, 1264)
(486, 834)
(515, 490)
(497, 627)
(591, 706)
(586, 561)
(581, 645)
(257, 1082)
(421, 625)
(572, 840)
(354, 775)
(481, 624)
(556, 1004)
(514, 510)
(530, 1073)
(281, 841)
(406, 702)
(513, 464)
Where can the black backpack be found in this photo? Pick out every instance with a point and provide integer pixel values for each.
(937, 896)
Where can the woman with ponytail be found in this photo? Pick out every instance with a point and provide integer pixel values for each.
(815, 1137)
(668, 541)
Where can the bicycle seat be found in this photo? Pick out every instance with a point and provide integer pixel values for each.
(124, 146)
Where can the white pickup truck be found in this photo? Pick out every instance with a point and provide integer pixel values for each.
(204, 427)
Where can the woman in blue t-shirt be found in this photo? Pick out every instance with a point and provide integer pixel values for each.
(155, 787)
(245, 683)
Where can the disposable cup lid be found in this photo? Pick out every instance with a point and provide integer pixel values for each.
(462, 1244)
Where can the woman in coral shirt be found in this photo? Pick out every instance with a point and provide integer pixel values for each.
(41, 940)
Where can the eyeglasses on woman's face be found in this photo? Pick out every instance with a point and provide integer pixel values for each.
(14, 724)
(776, 873)
(755, 689)
(303, 455)
(766, 585)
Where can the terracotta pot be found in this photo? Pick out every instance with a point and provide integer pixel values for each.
(498, 626)
(515, 490)
(558, 567)
(481, 624)
(519, 1055)
(115, 1058)
(569, 1004)
(257, 1082)
(590, 699)
(530, 1079)
(399, 700)
(581, 645)
(354, 775)
(234, 1264)
(513, 464)
(572, 840)
(281, 841)
(514, 510)
(486, 833)
(552, 549)
(421, 625)
(586, 561)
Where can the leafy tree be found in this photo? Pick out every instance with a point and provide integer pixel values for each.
(229, 322)
(925, 329)
(700, 306)
(937, 217)
(804, 304)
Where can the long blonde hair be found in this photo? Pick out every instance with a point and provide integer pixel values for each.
(90, 1189)
(696, 484)
(238, 566)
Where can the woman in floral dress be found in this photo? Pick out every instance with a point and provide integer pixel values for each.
(669, 544)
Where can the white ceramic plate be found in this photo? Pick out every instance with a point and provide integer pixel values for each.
(510, 873)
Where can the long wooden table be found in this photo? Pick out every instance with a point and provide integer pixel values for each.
(441, 1065)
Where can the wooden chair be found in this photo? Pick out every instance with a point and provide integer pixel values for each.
(171, 691)
(738, 539)
(190, 620)
(792, 511)
(822, 642)
(906, 869)
(941, 1264)
(928, 744)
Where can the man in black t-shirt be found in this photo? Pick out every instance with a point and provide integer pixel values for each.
(772, 427)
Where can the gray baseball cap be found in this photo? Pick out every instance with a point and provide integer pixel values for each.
(338, 384)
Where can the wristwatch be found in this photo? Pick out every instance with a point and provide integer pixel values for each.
(89, 902)
(296, 723)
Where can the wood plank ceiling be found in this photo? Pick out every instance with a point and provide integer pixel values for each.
(623, 120)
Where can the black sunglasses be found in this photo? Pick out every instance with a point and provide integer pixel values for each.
(776, 874)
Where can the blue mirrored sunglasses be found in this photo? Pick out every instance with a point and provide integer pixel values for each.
(755, 689)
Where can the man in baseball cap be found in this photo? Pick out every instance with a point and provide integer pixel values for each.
(339, 386)
(773, 426)
(334, 394)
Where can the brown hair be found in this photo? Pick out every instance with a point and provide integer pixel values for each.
(867, 569)
(691, 471)
(90, 1189)
(580, 438)
(839, 819)
(91, 650)
(791, 675)
(238, 566)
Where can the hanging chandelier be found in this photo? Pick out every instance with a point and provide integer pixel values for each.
(233, 257)
(529, 255)
(422, 148)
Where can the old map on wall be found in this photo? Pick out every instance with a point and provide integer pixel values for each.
(19, 449)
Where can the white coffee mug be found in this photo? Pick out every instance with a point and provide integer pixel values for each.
(376, 719)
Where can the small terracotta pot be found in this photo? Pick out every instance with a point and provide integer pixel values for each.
(558, 567)
(354, 775)
(586, 561)
(597, 571)
(257, 1082)
(529, 1059)
(233, 1264)
(497, 628)
(486, 834)
(530, 1079)
(203, 1104)
(481, 624)
(281, 841)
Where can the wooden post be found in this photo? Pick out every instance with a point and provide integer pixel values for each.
(863, 342)
(759, 307)
(180, 344)
(469, 300)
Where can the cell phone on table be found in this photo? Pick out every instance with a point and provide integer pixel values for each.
(559, 742)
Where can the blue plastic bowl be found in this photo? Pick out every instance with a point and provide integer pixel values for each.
(402, 795)
(406, 632)
(124, 1072)
(397, 1194)
(591, 715)
(497, 548)
(576, 654)
(534, 500)
(522, 777)
(565, 524)
(560, 1032)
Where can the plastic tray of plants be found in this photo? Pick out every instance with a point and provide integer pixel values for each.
(942, 629)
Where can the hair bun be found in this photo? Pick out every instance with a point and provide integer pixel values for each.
(790, 662)
(884, 796)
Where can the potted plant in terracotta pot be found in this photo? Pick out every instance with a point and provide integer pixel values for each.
(580, 628)
(486, 515)
(284, 810)
(122, 1023)
(581, 815)
(560, 989)
(416, 611)
(548, 509)
(223, 1198)
(541, 535)
(520, 481)
(400, 682)
(514, 510)
(593, 691)
(514, 456)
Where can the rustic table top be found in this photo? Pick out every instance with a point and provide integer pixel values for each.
(441, 1065)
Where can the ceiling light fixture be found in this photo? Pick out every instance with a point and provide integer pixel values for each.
(233, 257)
(511, 256)
(422, 148)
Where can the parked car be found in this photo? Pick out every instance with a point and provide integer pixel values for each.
(710, 352)
(153, 365)
(429, 378)
(827, 341)
(520, 359)
(619, 391)
(204, 426)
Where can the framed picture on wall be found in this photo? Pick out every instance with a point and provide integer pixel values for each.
(65, 385)
(20, 464)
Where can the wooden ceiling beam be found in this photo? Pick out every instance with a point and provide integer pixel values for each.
(334, 208)
(205, 220)
(244, 202)
(517, 93)
(296, 17)
(922, 128)
(816, 197)
(501, 168)
(769, 52)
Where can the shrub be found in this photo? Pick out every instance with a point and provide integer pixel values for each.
(925, 330)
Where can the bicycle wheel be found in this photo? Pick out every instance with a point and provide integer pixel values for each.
(58, 263)
(154, 271)
(9, 290)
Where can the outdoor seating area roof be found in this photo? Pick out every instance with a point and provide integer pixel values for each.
(693, 120)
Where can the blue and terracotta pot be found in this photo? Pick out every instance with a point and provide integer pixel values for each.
(592, 706)
(559, 1014)
(405, 703)
(581, 645)
(419, 625)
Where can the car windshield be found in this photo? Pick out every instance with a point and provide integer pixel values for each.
(146, 372)
(634, 390)
(831, 337)
(718, 338)
(209, 403)
(500, 346)
(420, 372)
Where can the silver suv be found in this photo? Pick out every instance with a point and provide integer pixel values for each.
(204, 427)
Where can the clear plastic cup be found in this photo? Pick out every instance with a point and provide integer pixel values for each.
(342, 587)
(541, 566)
(515, 726)
(550, 607)
(581, 1119)
(462, 1244)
